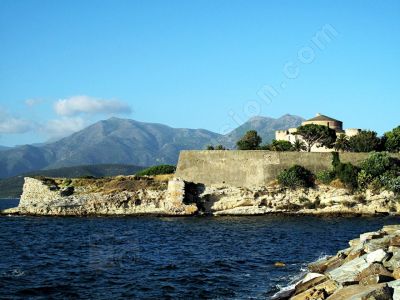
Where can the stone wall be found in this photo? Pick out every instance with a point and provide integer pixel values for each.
(251, 168)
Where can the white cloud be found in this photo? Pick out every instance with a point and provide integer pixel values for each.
(77, 105)
(59, 128)
(12, 124)
(33, 102)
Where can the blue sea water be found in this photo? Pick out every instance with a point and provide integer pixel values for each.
(165, 258)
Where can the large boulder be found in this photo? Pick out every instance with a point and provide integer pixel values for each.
(374, 269)
(348, 272)
(358, 292)
(311, 280)
(320, 291)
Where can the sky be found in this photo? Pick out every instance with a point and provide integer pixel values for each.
(209, 64)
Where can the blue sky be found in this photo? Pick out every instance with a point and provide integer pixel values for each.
(196, 64)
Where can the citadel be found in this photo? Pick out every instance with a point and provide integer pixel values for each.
(290, 134)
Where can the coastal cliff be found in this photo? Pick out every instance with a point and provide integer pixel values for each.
(130, 195)
(368, 269)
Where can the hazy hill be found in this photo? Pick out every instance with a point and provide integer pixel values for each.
(2, 148)
(124, 141)
(12, 187)
(116, 141)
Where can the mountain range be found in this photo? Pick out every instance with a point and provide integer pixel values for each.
(125, 141)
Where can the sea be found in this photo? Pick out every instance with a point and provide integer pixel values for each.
(165, 258)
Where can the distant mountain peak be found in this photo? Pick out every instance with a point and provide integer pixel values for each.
(259, 118)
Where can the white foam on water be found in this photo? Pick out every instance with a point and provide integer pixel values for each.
(14, 273)
(296, 279)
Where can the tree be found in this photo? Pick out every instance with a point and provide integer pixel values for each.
(266, 147)
(318, 135)
(250, 141)
(392, 140)
(299, 146)
(220, 147)
(157, 170)
(279, 145)
(365, 141)
(342, 143)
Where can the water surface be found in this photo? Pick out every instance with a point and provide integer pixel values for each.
(165, 258)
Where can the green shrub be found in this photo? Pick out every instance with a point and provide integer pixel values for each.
(348, 174)
(386, 177)
(218, 147)
(376, 164)
(363, 179)
(157, 170)
(295, 177)
(325, 176)
(335, 159)
(394, 185)
(375, 185)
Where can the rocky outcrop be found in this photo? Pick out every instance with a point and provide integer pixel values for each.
(124, 195)
(54, 197)
(225, 200)
(368, 269)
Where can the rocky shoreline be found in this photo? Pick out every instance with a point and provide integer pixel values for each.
(129, 195)
(369, 269)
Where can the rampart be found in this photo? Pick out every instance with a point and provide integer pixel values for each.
(252, 168)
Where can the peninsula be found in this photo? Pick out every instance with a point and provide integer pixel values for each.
(219, 183)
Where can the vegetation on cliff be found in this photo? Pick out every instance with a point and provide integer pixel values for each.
(157, 170)
(296, 177)
(378, 172)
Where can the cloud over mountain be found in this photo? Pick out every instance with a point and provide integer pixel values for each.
(58, 128)
(82, 104)
(11, 124)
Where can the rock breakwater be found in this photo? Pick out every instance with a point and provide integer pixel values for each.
(369, 269)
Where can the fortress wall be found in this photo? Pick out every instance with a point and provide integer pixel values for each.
(251, 168)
